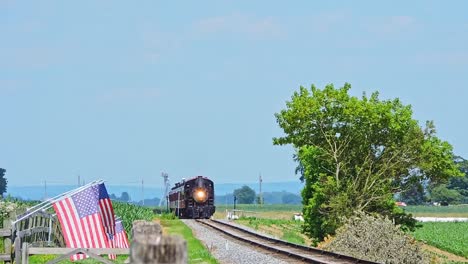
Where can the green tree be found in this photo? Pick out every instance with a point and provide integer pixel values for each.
(460, 184)
(414, 194)
(3, 182)
(453, 191)
(442, 194)
(291, 198)
(355, 153)
(245, 195)
(125, 197)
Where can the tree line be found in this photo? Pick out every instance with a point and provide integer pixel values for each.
(246, 195)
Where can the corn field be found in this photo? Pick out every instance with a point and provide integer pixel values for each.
(130, 212)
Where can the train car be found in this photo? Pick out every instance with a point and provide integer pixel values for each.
(193, 198)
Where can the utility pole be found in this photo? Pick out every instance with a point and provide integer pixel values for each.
(260, 195)
(142, 193)
(45, 190)
(79, 181)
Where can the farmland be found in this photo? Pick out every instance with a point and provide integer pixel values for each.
(276, 211)
(449, 236)
(276, 220)
(438, 211)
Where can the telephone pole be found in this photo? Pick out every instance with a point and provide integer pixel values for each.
(45, 190)
(142, 193)
(260, 189)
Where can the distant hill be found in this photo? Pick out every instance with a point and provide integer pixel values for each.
(150, 192)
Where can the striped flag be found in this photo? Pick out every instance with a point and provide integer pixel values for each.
(120, 240)
(80, 219)
(107, 214)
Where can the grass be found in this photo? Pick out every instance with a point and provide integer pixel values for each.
(40, 259)
(288, 230)
(262, 208)
(449, 236)
(197, 252)
(438, 211)
(275, 211)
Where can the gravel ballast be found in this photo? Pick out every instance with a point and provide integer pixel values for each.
(226, 250)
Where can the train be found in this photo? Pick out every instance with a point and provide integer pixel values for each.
(193, 198)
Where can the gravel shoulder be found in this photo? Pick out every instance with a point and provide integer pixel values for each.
(226, 250)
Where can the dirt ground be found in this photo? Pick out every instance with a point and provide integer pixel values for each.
(443, 256)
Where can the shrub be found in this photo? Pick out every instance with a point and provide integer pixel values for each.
(375, 239)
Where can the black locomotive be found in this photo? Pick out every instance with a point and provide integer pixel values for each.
(193, 198)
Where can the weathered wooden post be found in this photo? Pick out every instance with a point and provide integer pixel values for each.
(7, 239)
(17, 244)
(149, 246)
(144, 227)
(25, 253)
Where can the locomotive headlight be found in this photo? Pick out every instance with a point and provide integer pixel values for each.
(200, 195)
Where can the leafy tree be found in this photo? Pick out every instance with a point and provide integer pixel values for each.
(460, 184)
(355, 153)
(245, 195)
(414, 195)
(291, 198)
(125, 197)
(3, 182)
(453, 191)
(442, 194)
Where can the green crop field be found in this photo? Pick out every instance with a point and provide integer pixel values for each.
(130, 212)
(438, 211)
(449, 236)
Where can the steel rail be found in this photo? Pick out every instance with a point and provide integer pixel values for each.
(291, 250)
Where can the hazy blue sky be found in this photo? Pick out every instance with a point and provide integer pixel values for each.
(124, 90)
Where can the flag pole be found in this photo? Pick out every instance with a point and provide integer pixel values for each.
(62, 194)
(48, 203)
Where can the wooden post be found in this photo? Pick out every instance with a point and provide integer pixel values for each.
(149, 246)
(7, 240)
(25, 253)
(17, 257)
(145, 227)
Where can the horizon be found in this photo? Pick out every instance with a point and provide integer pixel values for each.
(152, 185)
(38, 192)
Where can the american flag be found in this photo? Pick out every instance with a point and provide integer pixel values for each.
(107, 214)
(107, 211)
(120, 240)
(80, 219)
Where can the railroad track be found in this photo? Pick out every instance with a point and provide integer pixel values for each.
(288, 250)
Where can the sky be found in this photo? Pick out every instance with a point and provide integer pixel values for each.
(123, 91)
